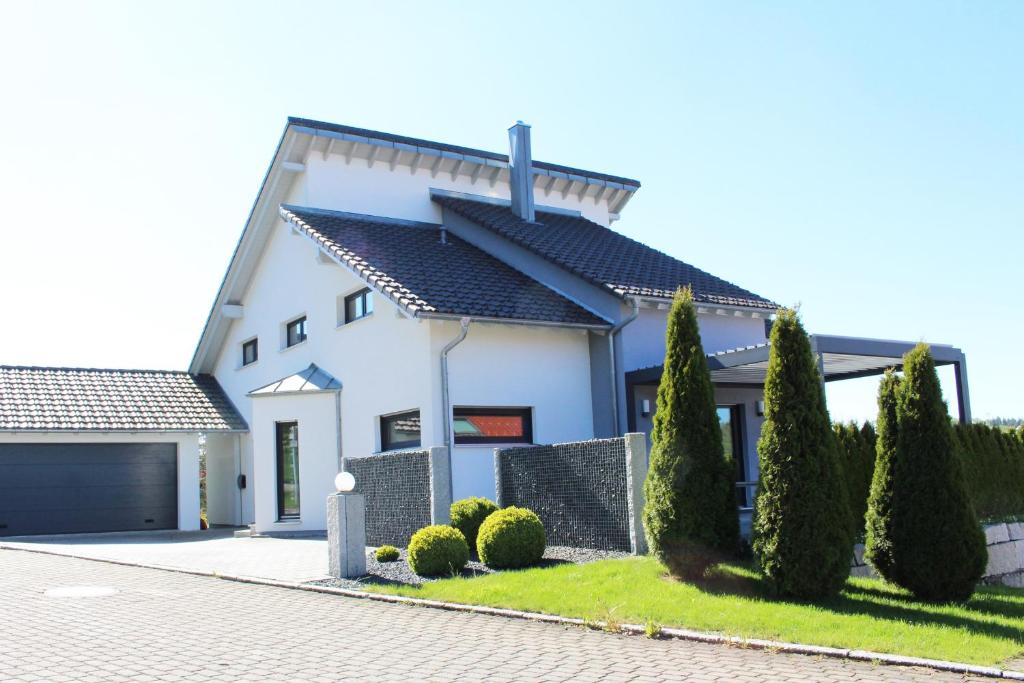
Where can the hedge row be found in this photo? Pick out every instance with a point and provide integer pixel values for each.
(993, 463)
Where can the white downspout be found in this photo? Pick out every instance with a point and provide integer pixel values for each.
(446, 407)
(615, 371)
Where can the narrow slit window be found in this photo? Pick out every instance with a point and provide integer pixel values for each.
(287, 470)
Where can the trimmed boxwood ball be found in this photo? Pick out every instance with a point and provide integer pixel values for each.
(386, 553)
(468, 514)
(510, 538)
(438, 549)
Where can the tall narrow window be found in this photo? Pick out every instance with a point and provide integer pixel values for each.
(358, 305)
(295, 332)
(250, 352)
(730, 419)
(492, 425)
(287, 470)
(400, 431)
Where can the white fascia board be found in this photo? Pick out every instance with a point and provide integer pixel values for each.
(247, 252)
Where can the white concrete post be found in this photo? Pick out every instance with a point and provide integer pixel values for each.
(636, 473)
(440, 485)
(346, 535)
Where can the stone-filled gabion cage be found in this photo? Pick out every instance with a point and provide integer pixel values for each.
(589, 494)
(405, 491)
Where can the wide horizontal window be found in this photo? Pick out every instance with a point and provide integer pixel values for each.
(492, 425)
(295, 332)
(401, 430)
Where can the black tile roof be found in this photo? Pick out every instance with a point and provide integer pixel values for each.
(445, 147)
(80, 399)
(409, 263)
(603, 256)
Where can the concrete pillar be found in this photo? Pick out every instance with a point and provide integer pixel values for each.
(440, 485)
(346, 535)
(636, 473)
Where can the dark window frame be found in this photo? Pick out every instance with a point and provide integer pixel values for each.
(469, 411)
(363, 296)
(386, 444)
(736, 418)
(255, 346)
(298, 325)
(279, 430)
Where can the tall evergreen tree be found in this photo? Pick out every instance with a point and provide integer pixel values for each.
(690, 515)
(878, 546)
(923, 533)
(803, 537)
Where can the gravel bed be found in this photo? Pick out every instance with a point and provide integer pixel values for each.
(398, 572)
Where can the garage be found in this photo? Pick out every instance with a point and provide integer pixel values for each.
(93, 451)
(87, 487)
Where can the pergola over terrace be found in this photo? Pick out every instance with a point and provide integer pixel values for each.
(838, 357)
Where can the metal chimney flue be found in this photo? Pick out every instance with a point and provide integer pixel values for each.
(520, 168)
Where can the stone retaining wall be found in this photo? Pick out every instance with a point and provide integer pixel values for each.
(1005, 555)
(589, 494)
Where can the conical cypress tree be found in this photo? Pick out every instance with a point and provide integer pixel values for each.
(923, 534)
(878, 546)
(690, 515)
(803, 539)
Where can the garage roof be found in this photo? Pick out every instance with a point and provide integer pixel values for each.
(84, 399)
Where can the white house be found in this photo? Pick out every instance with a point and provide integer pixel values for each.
(390, 292)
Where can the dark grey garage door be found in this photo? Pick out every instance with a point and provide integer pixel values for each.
(76, 488)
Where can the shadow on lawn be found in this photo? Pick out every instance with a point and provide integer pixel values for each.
(892, 605)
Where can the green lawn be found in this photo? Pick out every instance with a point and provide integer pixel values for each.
(869, 615)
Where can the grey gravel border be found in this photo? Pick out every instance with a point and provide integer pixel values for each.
(632, 629)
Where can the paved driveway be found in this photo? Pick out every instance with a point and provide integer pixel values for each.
(169, 626)
(283, 559)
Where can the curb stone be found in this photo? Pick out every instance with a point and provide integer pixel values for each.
(631, 629)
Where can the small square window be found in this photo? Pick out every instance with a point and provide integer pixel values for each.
(295, 332)
(400, 431)
(250, 352)
(492, 425)
(358, 305)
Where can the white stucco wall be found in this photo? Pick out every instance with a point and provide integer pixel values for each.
(188, 459)
(379, 191)
(315, 414)
(223, 465)
(643, 340)
(514, 366)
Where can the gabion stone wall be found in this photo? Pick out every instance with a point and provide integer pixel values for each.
(397, 490)
(579, 490)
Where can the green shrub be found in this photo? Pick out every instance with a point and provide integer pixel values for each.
(512, 537)
(993, 466)
(922, 532)
(387, 553)
(803, 537)
(690, 516)
(468, 514)
(438, 549)
(856, 448)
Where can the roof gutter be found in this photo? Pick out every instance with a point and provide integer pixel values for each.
(512, 321)
(614, 365)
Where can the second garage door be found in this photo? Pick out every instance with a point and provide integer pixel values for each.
(87, 487)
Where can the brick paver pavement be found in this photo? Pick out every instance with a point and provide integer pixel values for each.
(163, 626)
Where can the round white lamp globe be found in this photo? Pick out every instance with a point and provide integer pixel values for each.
(344, 482)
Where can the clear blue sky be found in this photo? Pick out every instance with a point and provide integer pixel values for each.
(864, 160)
